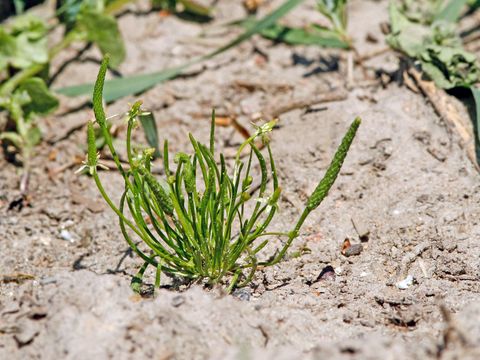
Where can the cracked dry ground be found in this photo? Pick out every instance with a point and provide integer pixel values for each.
(406, 182)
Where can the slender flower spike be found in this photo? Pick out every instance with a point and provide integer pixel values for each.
(92, 155)
(91, 163)
(160, 194)
(321, 191)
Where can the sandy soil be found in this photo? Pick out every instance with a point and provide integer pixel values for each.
(406, 183)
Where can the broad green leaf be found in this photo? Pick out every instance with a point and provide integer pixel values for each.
(42, 101)
(25, 44)
(29, 52)
(422, 12)
(118, 88)
(406, 35)
(452, 11)
(476, 97)
(151, 133)
(34, 136)
(7, 48)
(450, 67)
(103, 30)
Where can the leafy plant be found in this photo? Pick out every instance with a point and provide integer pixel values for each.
(435, 43)
(200, 222)
(24, 62)
(426, 32)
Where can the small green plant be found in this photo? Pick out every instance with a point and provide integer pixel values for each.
(24, 63)
(201, 222)
(427, 32)
(335, 36)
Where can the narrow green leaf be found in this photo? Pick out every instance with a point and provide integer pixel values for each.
(311, 35)
(151, 133)
(13, 137)
(195, 8)
(118, 88)
(452, 11)
(137, 280)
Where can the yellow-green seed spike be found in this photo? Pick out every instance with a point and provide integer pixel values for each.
(98, 94)
(160, 194)
(92, 148)
(189, 177)
(326, 183)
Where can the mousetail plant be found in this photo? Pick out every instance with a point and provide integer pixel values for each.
(201, 223)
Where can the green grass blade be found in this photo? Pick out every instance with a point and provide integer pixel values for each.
(137, 280)
(261, 25)
(452, 11)
(312, 35)
(151, 133)
(118, 88)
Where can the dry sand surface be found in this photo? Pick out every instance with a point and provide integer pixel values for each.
(407, 186)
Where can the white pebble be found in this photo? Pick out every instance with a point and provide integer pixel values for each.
(405, 283)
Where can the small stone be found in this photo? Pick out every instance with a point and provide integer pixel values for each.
(355, 249)
(327, 274)
(178, 300)
(66, 235)
(405, 283)
(242, 294)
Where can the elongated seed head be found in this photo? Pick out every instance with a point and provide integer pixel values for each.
(92, 148)
(326, 183)
(159, 193)
(98, 94)
(189, 177)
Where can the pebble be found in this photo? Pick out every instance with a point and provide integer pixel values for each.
(66, 235)
(355, 249)
(327, 274)
(242, 294)
(178, 300)
(405, 283)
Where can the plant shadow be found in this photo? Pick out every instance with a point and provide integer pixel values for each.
(466, 97)
(324, 64)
